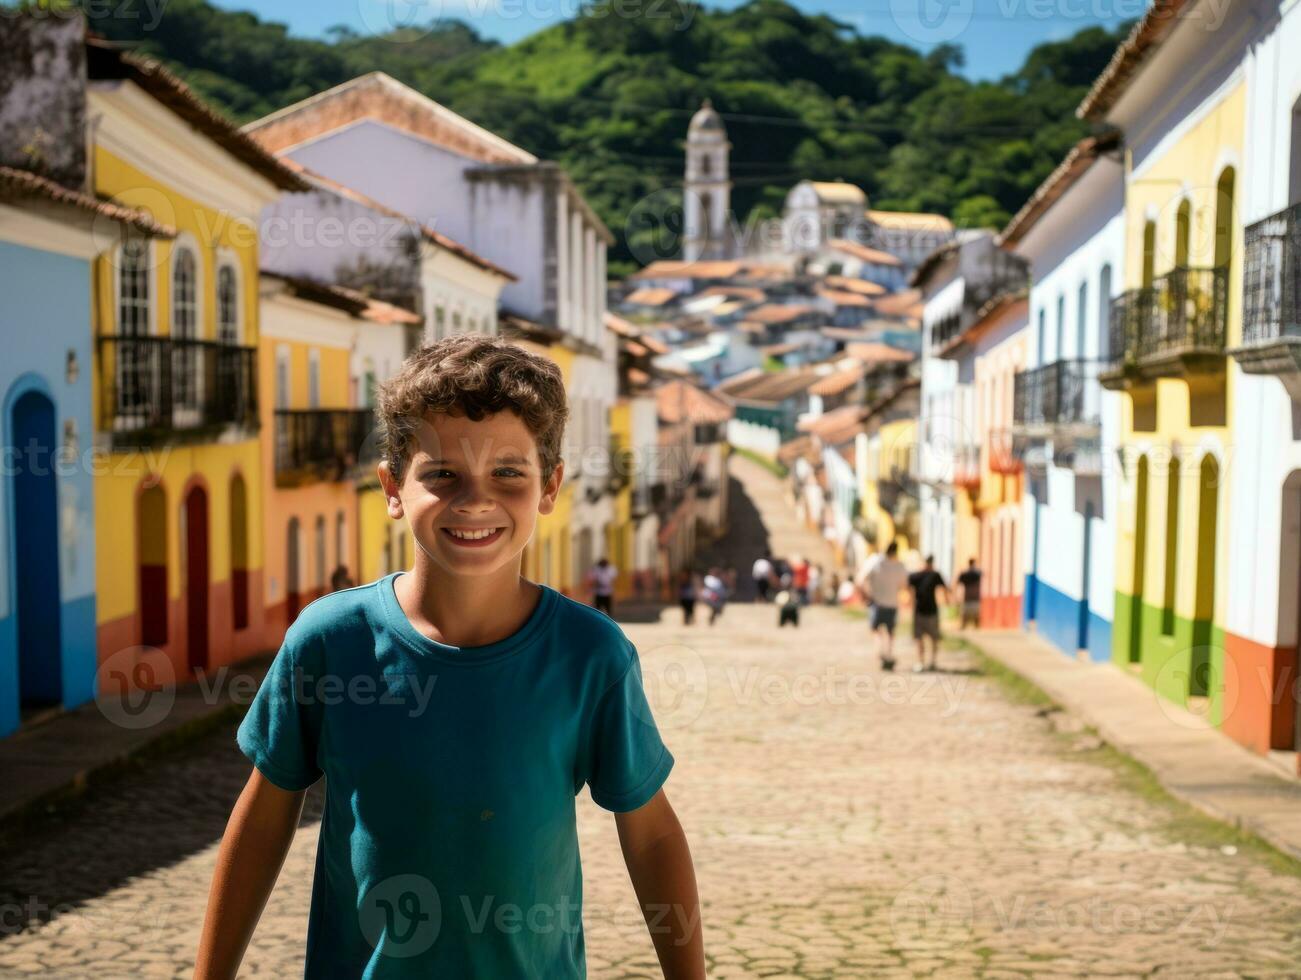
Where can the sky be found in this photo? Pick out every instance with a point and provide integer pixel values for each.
(994, 34)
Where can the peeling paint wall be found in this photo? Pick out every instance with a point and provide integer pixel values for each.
(43, 97)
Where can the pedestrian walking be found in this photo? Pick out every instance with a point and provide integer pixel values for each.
(788, 608)
(762, 572)
(800, 578)
(926, 612)
(881, 579)
(687, 596)
(601, 579)
(815, 584)
(341, 579)
(714, 594)
(970, 582)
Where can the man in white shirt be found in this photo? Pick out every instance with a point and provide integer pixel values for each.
(761, 572)
(881, 580)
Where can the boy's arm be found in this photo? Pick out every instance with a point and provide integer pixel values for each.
(257, 838)
(659, 863)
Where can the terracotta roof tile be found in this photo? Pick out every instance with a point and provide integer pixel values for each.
(18, 184)
(676, 400)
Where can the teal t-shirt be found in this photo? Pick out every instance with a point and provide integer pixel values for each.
(448, 846)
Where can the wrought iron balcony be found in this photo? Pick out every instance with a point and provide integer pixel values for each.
(1061, 395)
(966, 466)
(322, 443)
(1271, 318)
(1173, 327)
(1006, 451)
(161, 389)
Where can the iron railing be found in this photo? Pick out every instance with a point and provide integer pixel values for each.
(325, 443)
(158, 388)
(1191, 314)
(1061, 393)
(1272, 279)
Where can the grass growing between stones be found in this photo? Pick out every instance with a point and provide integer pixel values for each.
(1183, 823)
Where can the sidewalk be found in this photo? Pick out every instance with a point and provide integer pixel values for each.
(1192, 760)
(58, 758)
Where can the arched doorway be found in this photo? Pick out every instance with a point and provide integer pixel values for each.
(36, 600)
(238, 552)
(293, 583)
(1140, 560)
(196, 578)
(1199, 669)
(151, 547)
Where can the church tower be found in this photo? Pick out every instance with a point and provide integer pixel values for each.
(708, 188)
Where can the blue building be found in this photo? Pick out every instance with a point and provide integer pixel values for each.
(48, 237)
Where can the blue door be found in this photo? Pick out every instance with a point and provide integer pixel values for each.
(1084, 578)
(36, 552)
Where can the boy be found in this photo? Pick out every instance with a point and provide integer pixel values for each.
(457, 709)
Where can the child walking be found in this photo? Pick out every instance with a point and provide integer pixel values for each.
(456, 709)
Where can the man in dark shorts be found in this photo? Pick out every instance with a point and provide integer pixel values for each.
(926, 611)
(881, 579)
(970, 582)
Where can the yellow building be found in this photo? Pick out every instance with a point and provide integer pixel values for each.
(1168, 337)
(318, 443)
(546, 558)
(178, 492)
(887, 451)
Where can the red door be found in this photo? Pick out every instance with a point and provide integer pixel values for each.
(196, 578)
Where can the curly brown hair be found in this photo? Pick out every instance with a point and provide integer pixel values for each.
(474, 376)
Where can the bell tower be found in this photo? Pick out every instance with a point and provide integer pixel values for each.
(707, 189)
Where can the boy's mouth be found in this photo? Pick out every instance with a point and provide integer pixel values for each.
(473, 537)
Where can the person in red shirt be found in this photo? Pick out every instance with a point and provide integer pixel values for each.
(800, 578)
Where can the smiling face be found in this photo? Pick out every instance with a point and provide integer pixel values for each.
(472, 491)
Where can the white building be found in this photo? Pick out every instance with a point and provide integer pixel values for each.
(1072, 231)
(707, 192)
(956, 282)
(1263, 621)
(817, 210)
(421, 159)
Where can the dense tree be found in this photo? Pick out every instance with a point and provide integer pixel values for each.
(609, 93)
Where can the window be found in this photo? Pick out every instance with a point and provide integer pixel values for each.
(185, 366)
(133, 288)
(320, 554)
(1081, 320)
(314, 378)
(704, 164)
(135, 361)
(1149, 252)
(227, 305)
(1104, 312)
(1183, 233)
(456, 323)
(282, 379)
(440, 322)
(1061, 327)
(1224, 192)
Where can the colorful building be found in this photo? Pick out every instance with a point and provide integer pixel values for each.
(986, 477)
(1263, 614)
(178, 503)
(1179, 310)
(1065, 426)
(49, 238)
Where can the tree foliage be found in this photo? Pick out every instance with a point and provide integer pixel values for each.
(609, 93)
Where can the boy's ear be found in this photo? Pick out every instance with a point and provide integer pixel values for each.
(552, 489)
(392, 498)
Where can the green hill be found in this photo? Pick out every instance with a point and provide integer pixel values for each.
(609, 96)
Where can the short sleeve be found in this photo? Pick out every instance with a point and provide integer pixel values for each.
(629, 760)
(282, 730)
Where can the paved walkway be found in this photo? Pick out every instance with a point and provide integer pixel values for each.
(844, 823)
(1191, 759)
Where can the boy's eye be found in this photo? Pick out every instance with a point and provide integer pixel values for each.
(438, 474)
(508, 471)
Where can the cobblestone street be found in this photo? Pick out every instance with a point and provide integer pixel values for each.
(844, 823)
